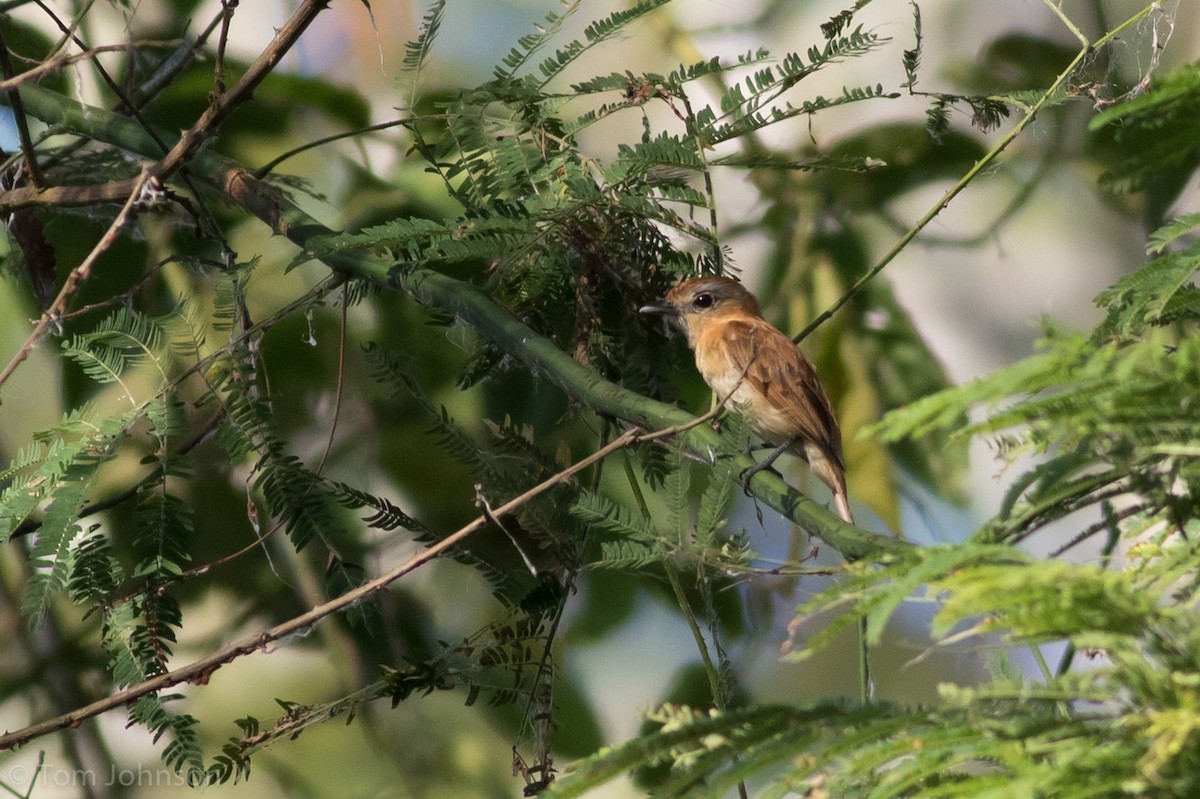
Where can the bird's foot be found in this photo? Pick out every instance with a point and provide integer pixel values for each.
(748, 474)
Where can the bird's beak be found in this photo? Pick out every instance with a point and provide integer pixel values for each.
(660, 308)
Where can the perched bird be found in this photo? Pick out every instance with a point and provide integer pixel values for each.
(750, 363)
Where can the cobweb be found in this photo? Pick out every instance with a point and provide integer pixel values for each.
(1138, 54)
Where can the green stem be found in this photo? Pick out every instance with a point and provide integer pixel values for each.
(864, 666)
(714, 682)
(1048, 676)
(634, 486)
(1043, 666)
(710, 669)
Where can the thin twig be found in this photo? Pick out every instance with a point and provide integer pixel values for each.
(980, 165)
(1110, 546)
(711, 669)
(1058, 12)
(227, 9)
(269, 167)
(1105, 524)
(340, 390)
(14, 98)
(166, 72)
(66, 196)
(242, 91)
(126, 296)
(57, 62)
(69, 32)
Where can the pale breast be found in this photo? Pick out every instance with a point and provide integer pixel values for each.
(727, 381)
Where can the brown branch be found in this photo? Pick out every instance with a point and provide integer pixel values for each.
(227, 9)
(128, 294)
(64, 196)
(201, 670)
(57, 62)
(169, 69)
(242, 91)
(77, 277)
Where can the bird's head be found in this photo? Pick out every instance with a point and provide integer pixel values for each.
(698, 301)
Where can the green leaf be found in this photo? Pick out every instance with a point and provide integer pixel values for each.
(610, 519)
(1149, 295)
(1152, 134)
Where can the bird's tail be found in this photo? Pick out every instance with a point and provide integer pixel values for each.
(843, 503)
(831, 474)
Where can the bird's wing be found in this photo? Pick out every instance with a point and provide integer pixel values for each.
(777, 369)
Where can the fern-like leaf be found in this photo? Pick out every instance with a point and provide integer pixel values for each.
(417, 51)
(612, 520)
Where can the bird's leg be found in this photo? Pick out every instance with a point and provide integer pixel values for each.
(765, 464)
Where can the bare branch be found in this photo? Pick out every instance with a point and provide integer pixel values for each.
(242, 91)
(66, 196)
(62, 60)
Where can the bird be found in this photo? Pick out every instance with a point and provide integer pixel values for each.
(751, 364)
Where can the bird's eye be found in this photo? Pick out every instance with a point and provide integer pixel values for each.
(703, 301)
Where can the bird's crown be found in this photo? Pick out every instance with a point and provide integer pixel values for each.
(714, 293)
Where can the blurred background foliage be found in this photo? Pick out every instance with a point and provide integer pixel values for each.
(218, 432)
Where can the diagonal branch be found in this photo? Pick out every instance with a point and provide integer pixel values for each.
(60, 61)
(200, 670)
(225, 103)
